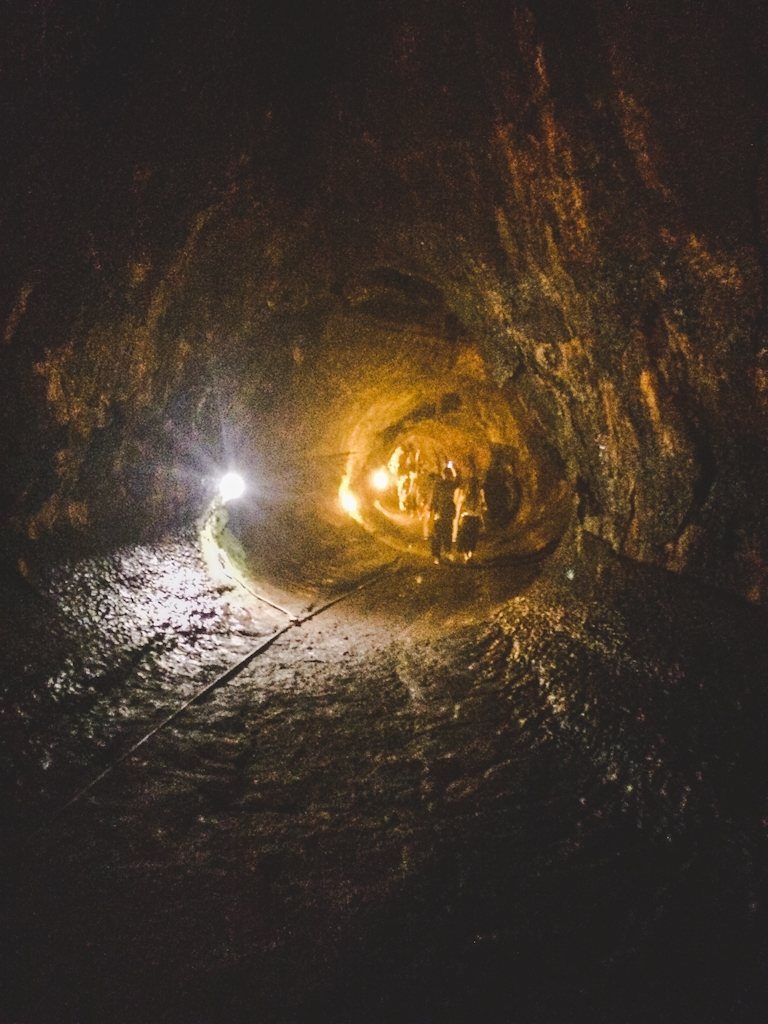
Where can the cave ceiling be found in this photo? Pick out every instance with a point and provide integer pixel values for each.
(277, 233)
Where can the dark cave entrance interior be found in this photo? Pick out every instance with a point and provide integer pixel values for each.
(412, 270)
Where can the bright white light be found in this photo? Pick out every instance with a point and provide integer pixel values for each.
(381, 479)
(231, 486)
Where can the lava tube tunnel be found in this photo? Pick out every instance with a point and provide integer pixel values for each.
(370, 424)
(384, 493)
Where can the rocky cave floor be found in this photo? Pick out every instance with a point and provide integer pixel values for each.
(522, 793)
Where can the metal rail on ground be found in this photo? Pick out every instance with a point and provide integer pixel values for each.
(260, 597)
(220, 680)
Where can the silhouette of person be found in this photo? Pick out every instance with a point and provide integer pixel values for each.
(443, 511)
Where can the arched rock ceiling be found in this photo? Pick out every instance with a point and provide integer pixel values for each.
(576, 191)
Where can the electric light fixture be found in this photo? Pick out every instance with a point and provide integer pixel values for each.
(231, 486)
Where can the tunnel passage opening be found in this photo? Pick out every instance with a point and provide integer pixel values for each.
(376, 413)
(398, 485)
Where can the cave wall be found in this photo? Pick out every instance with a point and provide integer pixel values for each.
(609, 249)
(583, 184)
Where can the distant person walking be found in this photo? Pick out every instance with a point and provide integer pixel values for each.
(443, 512)
(470, 505)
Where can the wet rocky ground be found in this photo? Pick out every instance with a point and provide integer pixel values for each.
(522, 793)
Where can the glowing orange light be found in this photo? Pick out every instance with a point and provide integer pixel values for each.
(381, 479)
(349, 502)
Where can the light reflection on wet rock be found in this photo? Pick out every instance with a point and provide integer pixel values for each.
(392, 806)
(143, 629)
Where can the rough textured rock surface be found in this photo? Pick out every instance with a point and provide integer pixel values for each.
(582, 188)
(286, 238)
(409, 809)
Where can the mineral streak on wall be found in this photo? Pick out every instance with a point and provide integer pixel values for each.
(572, 194)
